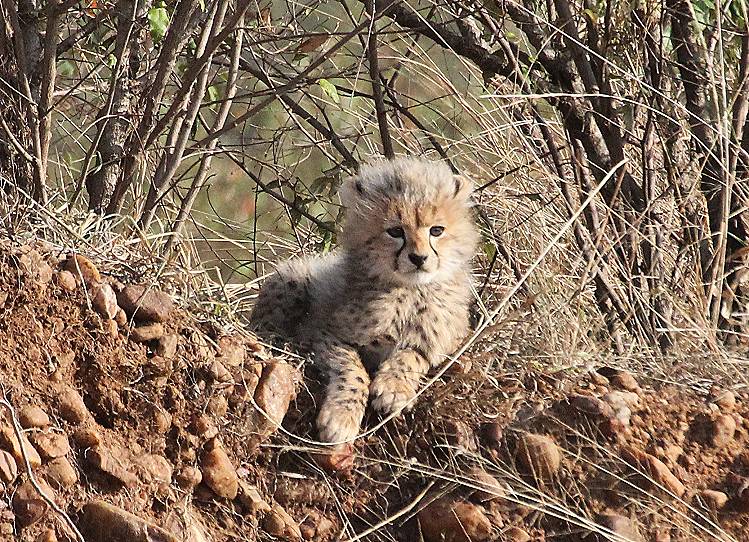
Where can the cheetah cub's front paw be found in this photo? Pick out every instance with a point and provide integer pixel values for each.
(389, 393)
(338, 422)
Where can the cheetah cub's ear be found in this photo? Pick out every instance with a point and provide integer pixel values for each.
(351, 191)
(463, 190)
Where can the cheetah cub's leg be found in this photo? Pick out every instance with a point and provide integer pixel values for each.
(397, 380)
(345, 400)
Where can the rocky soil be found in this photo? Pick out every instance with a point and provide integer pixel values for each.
(126, 418)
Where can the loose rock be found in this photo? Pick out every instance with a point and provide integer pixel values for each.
(65, 280)
(51, 445)
(47, 535)
(714, 500)
(166, 347)
(619, 525)
(148, 332)
(449, 520)
(188, 478)
(725, 399)
(71, 406)
(103, 522)
(278, 522)
(338, 458)
(722, 430)
(28, 505)
(273, 394)
(490, 489)
(538, 455)
(83, 268)
(9, 442)
(113, 462)
(8, 468)
(625, 381)
(516, 534)
(251, 501)
(61, 473)
(33, 417)
(144, 303)
(105, 301)
(656, 469)
(231, 351)
(219, 474)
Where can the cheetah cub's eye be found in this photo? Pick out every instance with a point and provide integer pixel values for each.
(436, 231)
(396, 232)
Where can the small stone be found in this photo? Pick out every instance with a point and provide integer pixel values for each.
(316, 527)
(145, 304)
(8, 468)
(110, 328)
(539, 456)
(113, 462)
(231, 351)
(274, 393)
(65, 280)
(105, 301)
(120, 318)
(82, 268)
(516, 534)
(625, 381)
(147, 332)
(491, 435)
(488, 487)
(87, 437)
(166, 347)
(251, 501)
(217, 406)
(655, 469)
(9, 442)
(219, 474)
(161, 420)
(51, 445)
(61, 473)
(339, 458)
(591, 407)
(154, 468)
(672, 452)
(47, 535)
(204, 427)
(722, 430)
(622, 526)
(278, 522)
(28, 504)
(714, 500)
(725, 399)
(103, 522)
(188, 478)
(71, 406)
(449, 520)
(219, 373)
(33, 417)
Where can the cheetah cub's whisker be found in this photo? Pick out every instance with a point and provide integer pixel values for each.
(391, 300)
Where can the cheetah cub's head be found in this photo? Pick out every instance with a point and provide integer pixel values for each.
(409, 221)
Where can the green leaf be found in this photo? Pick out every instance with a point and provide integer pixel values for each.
(65, 68)
(111, 60)
(158, 21)
(212, 92)
(329, 89)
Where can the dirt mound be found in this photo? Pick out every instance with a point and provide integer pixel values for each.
(141, 421)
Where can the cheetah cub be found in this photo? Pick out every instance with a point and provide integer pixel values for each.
(391, 301)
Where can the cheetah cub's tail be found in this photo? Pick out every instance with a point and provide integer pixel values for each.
(284, 299)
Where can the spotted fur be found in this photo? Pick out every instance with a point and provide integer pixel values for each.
(392, 301)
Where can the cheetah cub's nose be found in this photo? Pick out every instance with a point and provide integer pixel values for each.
(417, 259)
